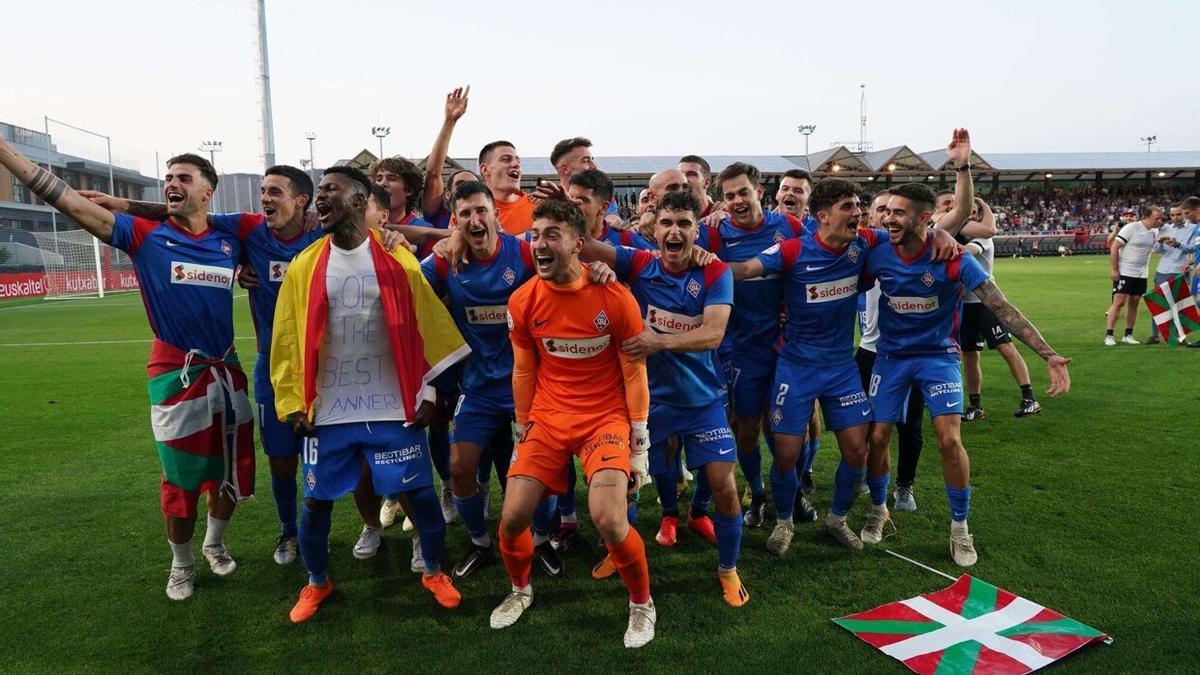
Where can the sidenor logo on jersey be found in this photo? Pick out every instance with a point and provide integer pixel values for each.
(828, 291)
(913, 305)
(192, 274)
(567, 348)
(278, 269)
(487, 314)
(670, 322)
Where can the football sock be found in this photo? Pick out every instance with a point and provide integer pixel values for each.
(1128, 332)
(729, 538)
(879, 487)
(960, 502)
(471, 510)
(284, 491)
(1027, 391)
(629, 557)
(439, 450)
(566, 502)
(810, 453)
(702, 496)
(543, 518)
(784, 485)
(751, 463)
(668, 492)
(844, 481)
(975, 400)
(518, 556)
(181, 554)
(215, 534)
(427, 516)
(1108, 332)
(313, 540)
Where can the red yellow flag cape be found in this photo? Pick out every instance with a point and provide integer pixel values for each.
(424, 339)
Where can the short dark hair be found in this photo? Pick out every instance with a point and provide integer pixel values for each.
(410, 173)
(468, 189)
(867, 197)
(205, 166)
(1148, 210)
(1191, 203)
(486, 153)
(681, 200)
(738, 169)
(697, 159)
(830, 191)
(565, 146)
(562, 212)
(595, 180)
(353, 175)
(918, 193)
(299, 180)
(798, 174)
(943, 192)
(381, 196)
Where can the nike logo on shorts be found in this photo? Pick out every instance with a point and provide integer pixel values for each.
(725, 452)
(408, 479)
(953, 403)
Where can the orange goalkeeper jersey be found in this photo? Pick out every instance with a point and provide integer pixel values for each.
(574, 334)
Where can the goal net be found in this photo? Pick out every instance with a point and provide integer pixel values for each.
(78, 265)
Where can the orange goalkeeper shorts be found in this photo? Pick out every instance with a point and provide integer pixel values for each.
(550, 440)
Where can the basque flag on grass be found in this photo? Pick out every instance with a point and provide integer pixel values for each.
(970, 627)
(1172, 305)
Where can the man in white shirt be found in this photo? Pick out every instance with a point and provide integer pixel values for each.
(1130, 261)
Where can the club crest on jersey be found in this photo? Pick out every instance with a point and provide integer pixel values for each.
(693, 288)
(852, 254)
(778, 237)
(509, 276)
(226, 248)
(927, 279)
(601, 321)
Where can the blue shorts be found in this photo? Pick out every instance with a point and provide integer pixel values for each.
(477, 418)
(937, 376)
(838, 387)
(705, 431)
(333, 458)
(263, 391)
(753, 374)
(278, 439)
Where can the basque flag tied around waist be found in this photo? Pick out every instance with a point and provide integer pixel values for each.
(970, 627)
(1172, 306)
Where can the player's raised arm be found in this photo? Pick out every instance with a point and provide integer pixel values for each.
(747, 270)
(54, 191)
(1016, 323)
(597, 250)
(959, 152)
(985, 227)
(456, 106)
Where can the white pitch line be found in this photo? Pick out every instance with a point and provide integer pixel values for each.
(86, 342)
(69, 303)
(921, 565)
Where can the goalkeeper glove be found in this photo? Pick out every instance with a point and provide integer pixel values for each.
(639, 457)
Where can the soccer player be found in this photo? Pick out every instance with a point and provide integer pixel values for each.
(980, 326)
(568, 370)
(436, 199)
(1130, 261)
(917, 342)
(686, 309)
(748, 351)
(358, 336)
(699, 178)
(478, 297)
(500, 170)
(791, 197)
(185, 271)
(908, 428)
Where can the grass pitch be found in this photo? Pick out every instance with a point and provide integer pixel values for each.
(1084, 509)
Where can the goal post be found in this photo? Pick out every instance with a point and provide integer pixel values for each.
(77, 265)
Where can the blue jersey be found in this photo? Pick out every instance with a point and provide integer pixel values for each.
(674, 303)
(478, 297)
(822, 294)
(269, 257)
(440, 218)
(757, 302)
(186, 280)
(921, 301)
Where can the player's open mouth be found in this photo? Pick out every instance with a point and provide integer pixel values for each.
(673, 246)
(515, 174)
(789, 202)
(477, 232)
(174, 197)
(323, 209)
(268, 210)
(543, 260)
(743, 210)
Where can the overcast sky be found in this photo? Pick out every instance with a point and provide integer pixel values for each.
(637, 77)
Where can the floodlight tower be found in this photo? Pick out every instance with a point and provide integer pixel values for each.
(267, 129)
